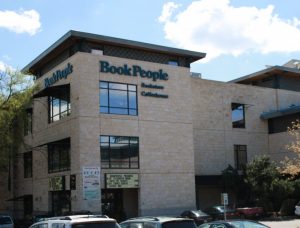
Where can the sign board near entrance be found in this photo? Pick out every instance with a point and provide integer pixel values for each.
(57, 183)
(129, 180)
(91, 183)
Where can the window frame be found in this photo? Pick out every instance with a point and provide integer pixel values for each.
(238, 149)
(60, 97)
(58, 148)
(108, 94)
(109, 164)
(235, 124)
(28, 122)
(27, 164)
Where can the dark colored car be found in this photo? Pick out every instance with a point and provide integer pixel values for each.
(197, 215)
(217, 212)
(233, 224)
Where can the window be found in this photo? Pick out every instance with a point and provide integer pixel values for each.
(238, 115)
(59, 156)
(281, 123)
(240, 156)
(116, 98)
(119, 152)
(59, 105)
(27, 160)
(28, 122)
(173, 63)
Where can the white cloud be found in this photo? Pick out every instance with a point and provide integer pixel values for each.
(21, 22)
(2, 66)
(218, 28)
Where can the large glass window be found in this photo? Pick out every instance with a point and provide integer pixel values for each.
(238, 115)
(116, 98)
(119, 152)
(59, 105)
(27, 160)
(59, 156)
(240, 156)
(28, 122)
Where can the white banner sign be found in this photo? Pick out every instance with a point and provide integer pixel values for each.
(91, 183)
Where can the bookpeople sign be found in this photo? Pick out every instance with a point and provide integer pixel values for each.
(91, 183)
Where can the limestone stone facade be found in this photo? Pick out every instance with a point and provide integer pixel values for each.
(185, 135)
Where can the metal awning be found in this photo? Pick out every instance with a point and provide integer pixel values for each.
(281, 112)
(52, 90)
(19, 198)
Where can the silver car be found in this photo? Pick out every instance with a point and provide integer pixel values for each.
(6, 221)
(297, 209)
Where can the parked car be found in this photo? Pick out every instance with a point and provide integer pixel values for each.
(77, 221)
(250, 212)
(158, 222)
(198, 216)
(6, 221)
(233, 224)
(217, 212)
(297, 209)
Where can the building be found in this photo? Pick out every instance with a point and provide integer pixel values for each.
(124, 128)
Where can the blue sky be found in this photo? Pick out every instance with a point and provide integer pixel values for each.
(239, 36)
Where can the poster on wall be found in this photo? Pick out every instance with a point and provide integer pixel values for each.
(91, 183)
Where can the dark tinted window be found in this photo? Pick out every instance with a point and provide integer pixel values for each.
(59, 156)
(240, 156)
(281, 124)
(5, 220)
(179, 224)
(95, 225)
(119, 152)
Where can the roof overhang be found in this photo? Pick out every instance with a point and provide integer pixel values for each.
(274, 70)
(281, 112)
(52, 90)
(72, 36)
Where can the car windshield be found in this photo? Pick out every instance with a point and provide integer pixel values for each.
(221, 209)
(96, 225)
(200, 213)
(5, 220)
(246, 224)
(179, 224)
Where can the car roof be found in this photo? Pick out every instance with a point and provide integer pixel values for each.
(77, 219)
(161, 219)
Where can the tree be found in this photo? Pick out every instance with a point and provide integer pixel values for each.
(291, 166)
(268, 187)
(16, 90)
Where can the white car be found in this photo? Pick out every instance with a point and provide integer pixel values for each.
(6, 221)
(297, 209)
(77, 221)
(158, 222)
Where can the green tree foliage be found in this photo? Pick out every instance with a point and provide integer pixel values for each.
(261, 184)
(267, 184)
(16, 90)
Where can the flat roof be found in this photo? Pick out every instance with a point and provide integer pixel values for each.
(71, 36)
(293, 72)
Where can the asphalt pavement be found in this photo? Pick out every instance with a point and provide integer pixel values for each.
(291, 223)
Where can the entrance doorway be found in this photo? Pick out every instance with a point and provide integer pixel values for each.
(61, 203)
(120, 203)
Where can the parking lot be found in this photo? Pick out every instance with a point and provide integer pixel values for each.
(292, 223)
